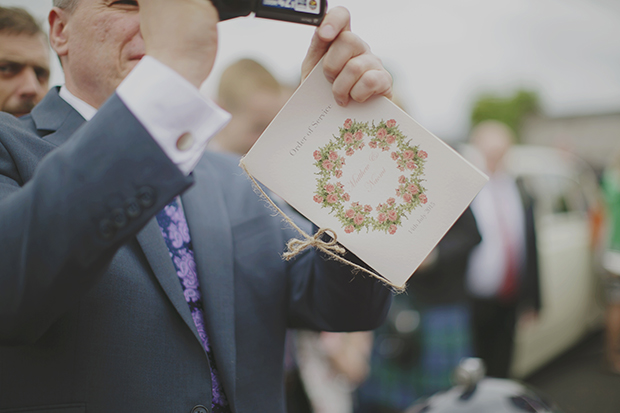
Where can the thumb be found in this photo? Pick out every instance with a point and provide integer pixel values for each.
(335, 22)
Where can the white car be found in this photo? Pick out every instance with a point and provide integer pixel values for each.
(568, 215)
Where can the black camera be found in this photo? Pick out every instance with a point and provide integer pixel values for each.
(297, 11)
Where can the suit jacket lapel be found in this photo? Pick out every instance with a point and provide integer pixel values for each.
(157, 255)
(211, 234)
(55, 119)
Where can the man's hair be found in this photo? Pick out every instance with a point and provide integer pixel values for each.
(14, 20)
(242, 79)
(68, 5)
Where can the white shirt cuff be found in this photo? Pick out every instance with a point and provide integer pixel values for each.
(172, 110)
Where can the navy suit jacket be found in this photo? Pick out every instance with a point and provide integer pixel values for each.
(92, 315)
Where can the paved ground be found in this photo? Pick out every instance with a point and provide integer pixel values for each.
(577, 381)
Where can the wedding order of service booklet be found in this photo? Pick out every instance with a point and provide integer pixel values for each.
(387, 187)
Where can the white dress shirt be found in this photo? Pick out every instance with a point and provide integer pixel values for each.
(170, 108)
(500, 217)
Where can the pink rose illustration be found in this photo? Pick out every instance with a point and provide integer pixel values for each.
(367, 208)
(327, 164)
(346, 197)
(342, 161)
(385, 148)
(392, 215)
(332, 198)
(338, 173)
(413, 189)
(381, 133)
(333, 156)
(348, 123)
(423, 199)
(411, 165)
(330, 188)
(318, 199)
(348, 137)
(381, 217)
(390, 123)
(339, 185)
(408, 154)
(400, 168)
(394, 156)
(398, 192)
(349, 213)
(390, 139)
(402, 179)
(349, 229)
(407, 197)
(422, 154)
(350, 151)
(373, 144)
(358, 135)
(392, 229)
(317, 155)
(391, 201)
(359, 218)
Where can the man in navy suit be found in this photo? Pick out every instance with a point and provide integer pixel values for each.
(137, 274)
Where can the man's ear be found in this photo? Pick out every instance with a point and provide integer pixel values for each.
(59, 36)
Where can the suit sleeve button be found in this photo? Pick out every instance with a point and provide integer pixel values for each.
(106, 229)
(200, 409)
(119, 219)
(146, 196)
(132, 208)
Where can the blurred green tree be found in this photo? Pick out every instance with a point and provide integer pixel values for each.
(509, 110)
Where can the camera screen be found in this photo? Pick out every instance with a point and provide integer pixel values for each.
(304, 6)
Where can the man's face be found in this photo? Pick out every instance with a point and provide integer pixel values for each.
(24, 72)
(103, 45)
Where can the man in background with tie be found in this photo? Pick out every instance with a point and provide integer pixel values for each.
(502, 277)
(140, 273)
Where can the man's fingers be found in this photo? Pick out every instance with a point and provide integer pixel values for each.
(346, 48)
(361, 78)
(336, 21)
(373, 82)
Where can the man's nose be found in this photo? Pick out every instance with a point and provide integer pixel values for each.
(30, 86)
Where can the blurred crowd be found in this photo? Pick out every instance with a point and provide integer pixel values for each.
(468, 298)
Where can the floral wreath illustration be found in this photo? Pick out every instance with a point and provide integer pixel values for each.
(409, 192)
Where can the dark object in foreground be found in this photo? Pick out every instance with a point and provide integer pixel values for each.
(475, 393)
(310, 12)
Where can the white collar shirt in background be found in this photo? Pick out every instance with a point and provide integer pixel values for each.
(487, 265)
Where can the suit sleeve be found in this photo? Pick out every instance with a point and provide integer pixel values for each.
(61, 227)
(333, 298)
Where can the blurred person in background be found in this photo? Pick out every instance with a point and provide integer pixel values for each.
(428, 330)
(331, 366)
(253, 96)
(24, 61)
(611, 263)
(502, 277)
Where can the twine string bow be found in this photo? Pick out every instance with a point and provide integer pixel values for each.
(331, 248)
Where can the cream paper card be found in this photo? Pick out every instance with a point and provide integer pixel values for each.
(387, 187)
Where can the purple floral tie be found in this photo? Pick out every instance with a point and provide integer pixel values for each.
(174, 228)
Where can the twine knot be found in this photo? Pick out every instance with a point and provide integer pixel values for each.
(296, 246)
(331, 248)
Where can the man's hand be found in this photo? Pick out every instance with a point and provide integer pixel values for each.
(349, 64)
(182, 34)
